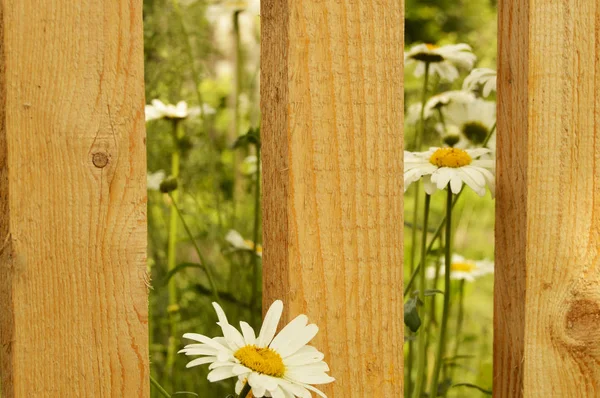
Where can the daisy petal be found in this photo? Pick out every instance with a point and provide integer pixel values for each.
(220, 374)
(269, 326)
(248, 333)
(200, 361)
(289, 332)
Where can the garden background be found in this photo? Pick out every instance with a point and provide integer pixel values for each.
(207, 53)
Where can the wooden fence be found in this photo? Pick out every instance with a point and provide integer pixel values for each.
(73, 306)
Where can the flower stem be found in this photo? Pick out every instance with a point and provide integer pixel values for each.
(419, 138)
(172, 249)
(421, 352)
(436, 235)
(256, 275)
(245, 391)
(205, 266)
(238, 188)
(489, 135)
(413, 248)
(203, 119)
(159, 388)
(459, 318)
(438, 231)
(446, 308)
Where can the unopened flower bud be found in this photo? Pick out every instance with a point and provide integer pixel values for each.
(168, 185)
(451, 139)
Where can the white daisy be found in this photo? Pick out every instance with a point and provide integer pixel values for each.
(153, 180)
(238, 242)
(483, 77)
(279, 366)
(159, 110)
(442, 60)
(463, 269)
(474, 119)
(441, 100)
(442, 167)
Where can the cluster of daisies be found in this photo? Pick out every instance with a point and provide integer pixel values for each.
(465, 122)
(278, 365)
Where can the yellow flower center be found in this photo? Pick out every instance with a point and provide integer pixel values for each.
(462, 267)
(261, 360)
(431, 47)
(450, 157)
(250, 245)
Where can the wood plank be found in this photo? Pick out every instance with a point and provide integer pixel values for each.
(73, 300)
(547, 298)
(332, 172)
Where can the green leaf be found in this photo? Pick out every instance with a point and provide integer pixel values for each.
(433, 292)
(459, 357)
(252, 137)
(428, 292)
(411, 314)
(469, 385)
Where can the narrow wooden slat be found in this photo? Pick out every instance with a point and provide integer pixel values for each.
(73, 303)
(332, 144)
(547, 298)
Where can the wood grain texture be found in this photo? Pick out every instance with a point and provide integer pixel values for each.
(547, 298)
(332, 173)
(73, 302)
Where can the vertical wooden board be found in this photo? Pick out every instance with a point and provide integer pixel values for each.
(332, 172)
(73, 302)
(511, 196)
(556, 260)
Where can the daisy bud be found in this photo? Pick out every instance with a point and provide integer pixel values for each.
(168, 185)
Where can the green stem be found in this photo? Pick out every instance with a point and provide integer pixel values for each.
(432, 319)
(196, 77)
(235, 130)
(446, 309)
(254, 261)
(459, 318)
(159, 388)
(442, 118)
(203, 262)
(422, 353)
(489, 135)
(245, 391)
(419, 138)
(438, 231)
(436, 234)
(172, 250)
(413, 248)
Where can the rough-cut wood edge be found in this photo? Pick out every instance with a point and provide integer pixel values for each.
(275, 158)
(7, 327)
(288, 40)
(511, 197)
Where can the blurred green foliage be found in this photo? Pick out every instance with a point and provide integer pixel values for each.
(185, 59)
(182, 61)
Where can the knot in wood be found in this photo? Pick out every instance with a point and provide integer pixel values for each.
(100, 159)
(582, 321)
